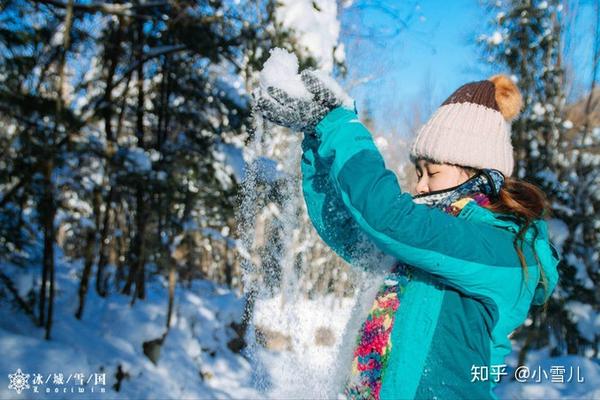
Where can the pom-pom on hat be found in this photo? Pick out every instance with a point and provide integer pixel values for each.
(472, 126)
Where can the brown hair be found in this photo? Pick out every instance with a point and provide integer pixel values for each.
(525, 202)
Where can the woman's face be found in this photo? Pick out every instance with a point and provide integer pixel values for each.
(432, 176)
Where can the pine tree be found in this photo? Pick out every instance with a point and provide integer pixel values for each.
(35, 93)
(116, 117)
(527, 40)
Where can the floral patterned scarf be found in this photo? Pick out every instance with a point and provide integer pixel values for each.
(373, 344)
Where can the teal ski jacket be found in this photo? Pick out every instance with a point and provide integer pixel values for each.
(468, 294)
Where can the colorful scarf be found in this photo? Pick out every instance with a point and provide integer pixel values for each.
(373, 344)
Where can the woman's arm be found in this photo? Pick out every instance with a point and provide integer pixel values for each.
(330, 217)
(473, 257)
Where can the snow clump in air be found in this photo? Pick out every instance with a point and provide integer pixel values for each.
(281, 71)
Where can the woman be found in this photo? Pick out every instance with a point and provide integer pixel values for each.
(472, 247)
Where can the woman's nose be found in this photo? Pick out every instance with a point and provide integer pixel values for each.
(422, 187)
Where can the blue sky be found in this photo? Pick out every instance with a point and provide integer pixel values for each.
(436, 42)
(429, 59)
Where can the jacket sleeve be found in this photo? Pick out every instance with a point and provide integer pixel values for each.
(330, 217)
(471, 256)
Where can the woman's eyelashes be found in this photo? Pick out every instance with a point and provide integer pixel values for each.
(429, 174)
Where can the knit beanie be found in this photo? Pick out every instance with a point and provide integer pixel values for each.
(472, 127)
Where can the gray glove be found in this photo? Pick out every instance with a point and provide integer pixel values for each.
(298, 114)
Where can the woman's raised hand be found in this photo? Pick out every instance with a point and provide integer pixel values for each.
(297, 113)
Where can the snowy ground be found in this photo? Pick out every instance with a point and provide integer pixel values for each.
(195, 362)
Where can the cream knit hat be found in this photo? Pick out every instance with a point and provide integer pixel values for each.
(472, 127)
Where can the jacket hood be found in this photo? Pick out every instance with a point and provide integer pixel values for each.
(549, 258)
(547, 253)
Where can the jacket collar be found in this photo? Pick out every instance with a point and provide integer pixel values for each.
(487, 181)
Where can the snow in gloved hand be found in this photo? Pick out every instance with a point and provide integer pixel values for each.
(296, 101)
(281, 71)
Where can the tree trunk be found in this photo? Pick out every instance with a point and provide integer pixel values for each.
(172, 282)
(87, 269)
(113, 53)
(141, 205)
(136, 272)
(48, 213)
(101, 288)
(43, 287)
(136, 269)
(228, 265)
(120, 251)
(48, 203)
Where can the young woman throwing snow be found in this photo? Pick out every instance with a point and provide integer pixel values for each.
(471, 246)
